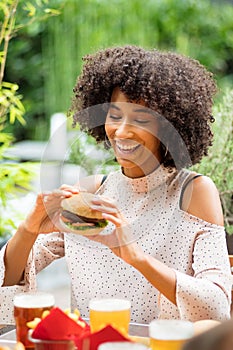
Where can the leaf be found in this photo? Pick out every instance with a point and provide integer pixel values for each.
(53, 12)
(12, 103)
(30, 9)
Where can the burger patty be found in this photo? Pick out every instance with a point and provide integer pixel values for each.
(72, 217)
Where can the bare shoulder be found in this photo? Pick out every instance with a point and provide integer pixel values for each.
(201, 199)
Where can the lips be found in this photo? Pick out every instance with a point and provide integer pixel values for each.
(126, 147)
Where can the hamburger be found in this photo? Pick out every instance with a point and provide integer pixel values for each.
(78, 217)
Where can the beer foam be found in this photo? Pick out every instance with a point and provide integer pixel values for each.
(34, 300)
(109, 304)
(171, 329)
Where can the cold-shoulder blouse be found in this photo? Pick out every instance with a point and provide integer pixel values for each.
(194, 248)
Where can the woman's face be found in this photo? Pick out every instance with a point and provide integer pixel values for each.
(132, 128)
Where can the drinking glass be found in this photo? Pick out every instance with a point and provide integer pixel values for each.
(41, 344)
(27, 306)
(122, 346)
(169, 334)
(114, 312)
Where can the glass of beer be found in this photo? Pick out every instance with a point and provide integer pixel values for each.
(120, 345)
(114, 312)
(27, 306)
(169, 334)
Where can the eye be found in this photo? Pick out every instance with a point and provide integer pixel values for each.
(114, 117)
(142, 121)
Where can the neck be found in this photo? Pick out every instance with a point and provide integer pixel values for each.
(139, 172)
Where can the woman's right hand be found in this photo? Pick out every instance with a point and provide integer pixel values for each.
(44, 216)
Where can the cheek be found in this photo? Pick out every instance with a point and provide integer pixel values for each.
(109, 131)
(155, 140)
(154, 135)
(152, 142)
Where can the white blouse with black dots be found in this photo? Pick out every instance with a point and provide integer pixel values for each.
(194, 248)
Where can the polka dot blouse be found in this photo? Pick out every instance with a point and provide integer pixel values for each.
(194, 248)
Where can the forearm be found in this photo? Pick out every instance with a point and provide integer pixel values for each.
(159, 275)
(16, 255)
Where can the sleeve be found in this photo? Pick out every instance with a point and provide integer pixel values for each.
(46, 249)
(206, 294)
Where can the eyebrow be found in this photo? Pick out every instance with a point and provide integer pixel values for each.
(111, 105)
(137, 110)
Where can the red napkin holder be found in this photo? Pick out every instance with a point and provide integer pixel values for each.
(91, 341)
(58, 326)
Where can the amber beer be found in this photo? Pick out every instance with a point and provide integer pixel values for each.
(114, 312)
(169, 334)
(27, 306)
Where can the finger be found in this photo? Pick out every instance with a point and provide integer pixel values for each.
(52, 202)
(69, 188)
(112, 218)
(103, 201)
(59, 192)
(104, 209)
(73, 189)
(49, 200)
(56, 195)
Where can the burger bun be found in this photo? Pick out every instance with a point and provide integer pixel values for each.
(78, 217)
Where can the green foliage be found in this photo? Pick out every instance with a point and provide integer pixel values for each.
(94, 158)
(5, 143)
(46, 57)
(200, 29)
(10, 104)
(219, 163)
(15, 181)
(22, 20)
(9, 11)
(15, 177)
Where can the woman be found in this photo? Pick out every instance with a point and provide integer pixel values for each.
(164, 247)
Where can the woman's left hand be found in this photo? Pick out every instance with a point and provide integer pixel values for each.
(121, 241)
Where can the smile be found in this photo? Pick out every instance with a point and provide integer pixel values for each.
(127, 148)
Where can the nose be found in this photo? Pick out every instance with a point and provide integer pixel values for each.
(124, 130)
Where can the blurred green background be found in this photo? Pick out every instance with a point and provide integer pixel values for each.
(45, 57)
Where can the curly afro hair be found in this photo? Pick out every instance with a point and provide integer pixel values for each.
(179, 88)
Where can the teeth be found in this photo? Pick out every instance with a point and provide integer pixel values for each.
(126, 147)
